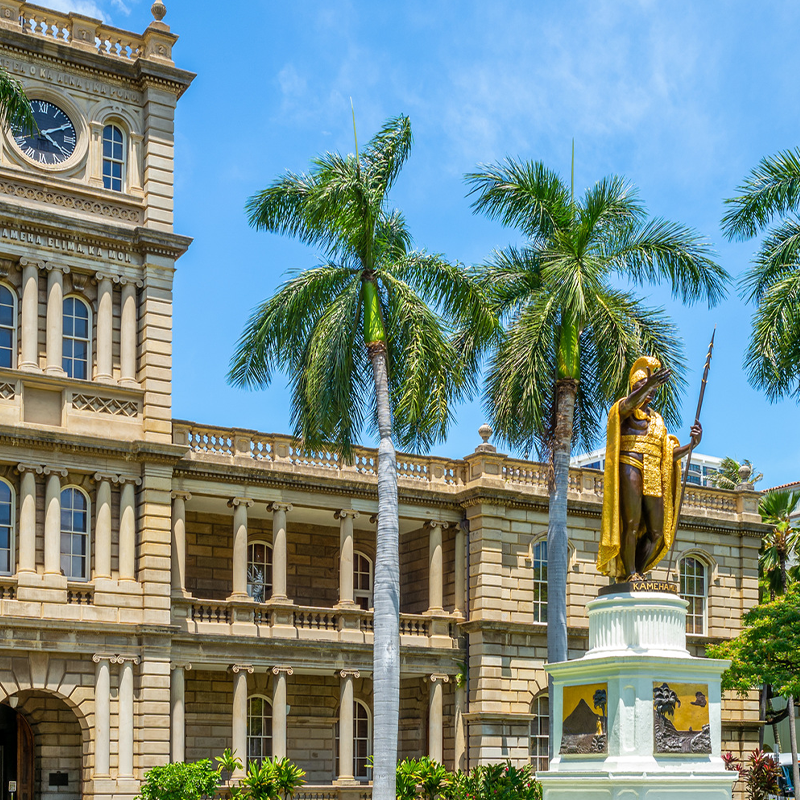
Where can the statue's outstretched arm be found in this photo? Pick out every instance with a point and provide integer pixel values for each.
(643, 389)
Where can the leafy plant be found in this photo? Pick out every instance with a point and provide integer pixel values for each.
(271, 779)
(180, 781)
(288, 777)
(406, 779)
(495, 782)
(762, 776)
(732, 764)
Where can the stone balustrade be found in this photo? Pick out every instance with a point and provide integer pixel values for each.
(86, 33)
(237, 446)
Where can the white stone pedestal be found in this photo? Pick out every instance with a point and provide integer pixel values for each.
(636, 641)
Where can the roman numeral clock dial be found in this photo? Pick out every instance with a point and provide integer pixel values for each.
(55, 140)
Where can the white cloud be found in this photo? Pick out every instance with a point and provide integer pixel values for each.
(97, 10)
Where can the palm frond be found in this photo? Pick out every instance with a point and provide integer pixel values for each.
(525, 195)
(612, 203)
(15, 107)
(510, 276)
(276, 334)
(772, 360)
(777, 257)
(385, 154)
(771, 189)
(662, 250)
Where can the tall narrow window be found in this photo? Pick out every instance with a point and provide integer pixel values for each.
(6, 529)
(362, 743)
(540, 581)
(259, 728)
(694, 588)
(362, 580)
(113, 158)
(259, 571)
(539, 749)
(74, 534)
(8, 327)
(75, 356)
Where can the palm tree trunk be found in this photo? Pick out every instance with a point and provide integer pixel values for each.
(386, 594)
(557, 549)
(762, 713)
(793, 745)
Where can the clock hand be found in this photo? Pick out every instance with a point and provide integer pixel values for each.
(54, 130)
(53, 141)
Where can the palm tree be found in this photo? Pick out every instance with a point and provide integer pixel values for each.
(728, 476)
(571, 335)
(364, 339)
(772, 189)
(15, 108)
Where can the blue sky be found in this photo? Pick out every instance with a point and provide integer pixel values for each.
(682, 98)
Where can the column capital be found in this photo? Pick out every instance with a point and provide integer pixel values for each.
(114, 658)
(237, 668)
(62, 471)
(135, 282)
(284, 669)
(349, 673)
(105, 276)
(134, 479)
(374, 519)
(275, 506)
(29, 262)
(438, 523)
(177, 494)
(51, 266)
(344, 513)
(178, 665)
(23, 467)
(105, 476)
(240, 501)
(439, 677)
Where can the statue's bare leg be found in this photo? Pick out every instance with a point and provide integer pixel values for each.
(653, 537)
(630, 500)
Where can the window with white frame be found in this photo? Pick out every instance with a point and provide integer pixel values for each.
(8, 327)
(77, 338)
(113, 158)
(259, 728)
(74, 534)
(362, 580)
(7, 518)
(259, 571)
(539, 743)
(540, 581)
(362, 742)
(694, 589)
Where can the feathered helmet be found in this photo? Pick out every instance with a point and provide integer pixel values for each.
(642, 368)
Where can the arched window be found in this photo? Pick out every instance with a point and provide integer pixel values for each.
(77, 338)
(259, 571)
(74, 534)
(694, 588)
(8, 327)
(362, 580)
(362, 742)
(113, 158)
(539, 747)
(7, 517)
(540, 581)
(259, 728)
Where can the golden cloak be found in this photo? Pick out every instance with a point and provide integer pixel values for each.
(608, 556)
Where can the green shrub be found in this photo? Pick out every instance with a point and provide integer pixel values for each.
(180, 781)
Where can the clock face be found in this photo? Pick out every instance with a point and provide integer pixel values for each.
(55, 140)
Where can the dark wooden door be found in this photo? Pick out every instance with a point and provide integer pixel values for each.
(24, 759)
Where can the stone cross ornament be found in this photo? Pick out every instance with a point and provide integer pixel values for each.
(642, 491)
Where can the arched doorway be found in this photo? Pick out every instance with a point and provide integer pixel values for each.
(16, 755)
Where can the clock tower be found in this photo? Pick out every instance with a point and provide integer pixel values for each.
(87, 256)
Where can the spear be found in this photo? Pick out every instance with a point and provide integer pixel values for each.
(691, 443)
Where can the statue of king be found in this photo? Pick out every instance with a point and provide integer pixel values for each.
(642, 479)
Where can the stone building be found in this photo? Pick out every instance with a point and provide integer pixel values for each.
(169, 589)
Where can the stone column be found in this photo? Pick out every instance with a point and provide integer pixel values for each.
(27, 517)
(459, 760)
(126, 715)
(435, 713)
(239, 506)
(105, 321)
(52, 521)
(279, 710)
(55, 318)
(128, 334)
(346, 725)
(177, 690)
(127, 529)
(279, 511)
(239, 728)
(30, 315)
(102, 528)
(102, 715)
(435, 567)
(346, 517)
(179, 500)
(460, 573)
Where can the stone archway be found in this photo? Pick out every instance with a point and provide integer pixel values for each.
(17, 755)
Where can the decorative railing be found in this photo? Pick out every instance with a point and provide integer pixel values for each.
(277, 451)
(80, 595)
(317, 619)
(8, 591)
(329, 793)
(211, 612)
(414, 626)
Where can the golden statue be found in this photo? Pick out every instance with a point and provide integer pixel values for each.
(642, 479)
